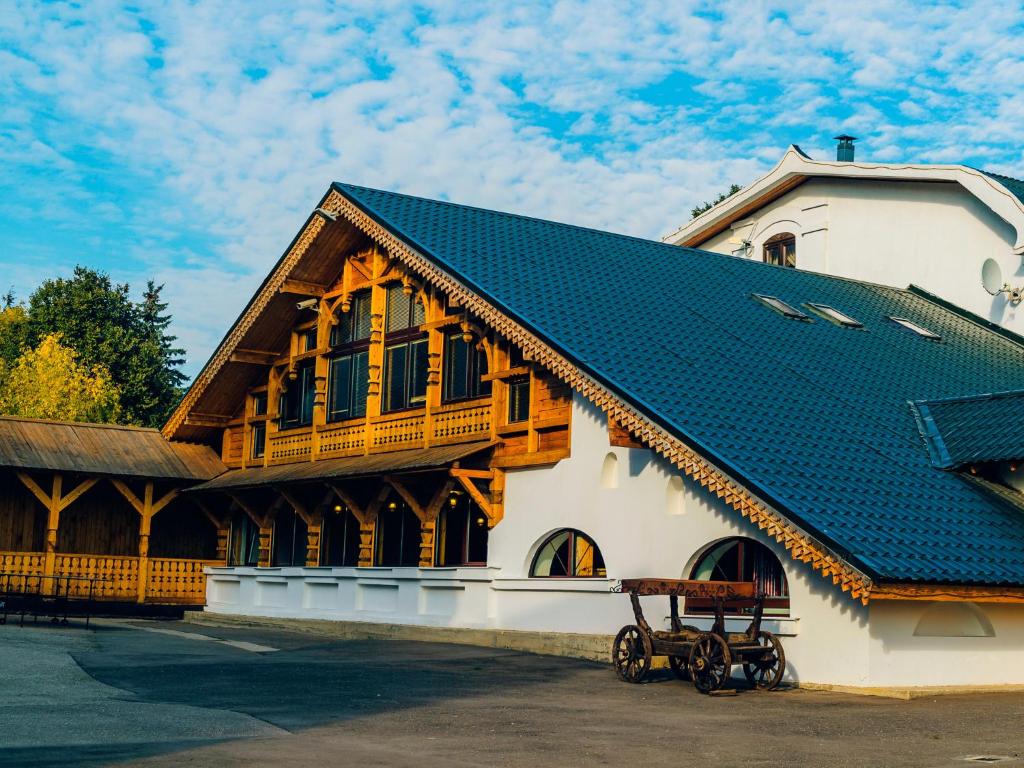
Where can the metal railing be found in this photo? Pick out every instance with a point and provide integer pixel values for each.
(35, 594)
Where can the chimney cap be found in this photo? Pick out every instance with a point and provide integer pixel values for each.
(844, 137)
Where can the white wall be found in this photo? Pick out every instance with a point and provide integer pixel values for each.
(936, 235)
(641, 528)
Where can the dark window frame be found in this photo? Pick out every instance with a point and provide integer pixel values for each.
(776, 604)
(357, 405)
(304, 384)
(599, 572)
(774, 250)
(468, 519)
(472, 385)
(258, 435)
(518, 410)
(361, 305)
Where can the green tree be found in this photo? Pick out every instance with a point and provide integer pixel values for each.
(96, 318)
(49, 382)
(13, 330)
(698, 210)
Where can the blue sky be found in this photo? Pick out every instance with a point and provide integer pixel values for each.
(188, 142)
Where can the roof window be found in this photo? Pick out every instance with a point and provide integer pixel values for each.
(915, 328)
(833, 314)
(780, 306)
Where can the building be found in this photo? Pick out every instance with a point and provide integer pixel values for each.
(953, 230)
(444, 416)
(96, 511)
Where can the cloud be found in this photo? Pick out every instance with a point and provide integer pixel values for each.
(189, 141)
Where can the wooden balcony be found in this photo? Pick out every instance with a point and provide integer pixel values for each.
(448, 424)
(166, 580)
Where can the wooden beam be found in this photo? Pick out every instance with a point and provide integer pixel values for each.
(947, 593)
(44, 498)
(302, 288)
(297, 505)
(218, 521)
(407, 496)
(262, 520)
(254, 356)
(164, 500)
(353, 506)
(475, 494)
(211, 420)
(129, 494)
(82, 487)
(481, 474)
(434, 507)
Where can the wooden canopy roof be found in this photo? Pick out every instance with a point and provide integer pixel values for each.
(349, 467)
(102, 449)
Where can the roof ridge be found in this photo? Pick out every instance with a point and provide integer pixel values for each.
(971, 398)
(90, 424)
(509, 214)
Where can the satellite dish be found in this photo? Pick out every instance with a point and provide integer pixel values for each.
(991, 276)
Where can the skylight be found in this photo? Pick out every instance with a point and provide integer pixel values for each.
(915, 328)
(781, 307)
(833, 314)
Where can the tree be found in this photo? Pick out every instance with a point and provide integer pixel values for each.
(698, 210)
(96, 318)
(13, 330)
(49, 382)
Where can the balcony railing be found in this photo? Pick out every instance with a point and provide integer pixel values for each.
(103, 577)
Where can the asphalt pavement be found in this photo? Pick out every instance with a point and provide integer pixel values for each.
(165, 693)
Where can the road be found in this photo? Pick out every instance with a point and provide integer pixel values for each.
(164, 693)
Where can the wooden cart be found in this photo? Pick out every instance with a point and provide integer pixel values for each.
(706, 658)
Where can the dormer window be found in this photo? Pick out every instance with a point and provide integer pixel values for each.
(780, 250)
(915, 328)
(780, 306)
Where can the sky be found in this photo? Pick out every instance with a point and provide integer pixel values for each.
(187, 142)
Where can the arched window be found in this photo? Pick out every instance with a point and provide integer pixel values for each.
(781, 250)
(568, 553)
(742, 559)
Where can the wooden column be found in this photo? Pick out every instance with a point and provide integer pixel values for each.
(54, 503)
(378, 299)
(147, 509)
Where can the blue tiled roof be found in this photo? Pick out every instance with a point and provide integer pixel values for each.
(811, 415)
(972, 430)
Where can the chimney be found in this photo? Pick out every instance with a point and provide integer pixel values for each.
(844, 150)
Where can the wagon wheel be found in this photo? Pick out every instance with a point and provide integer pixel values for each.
(766, 673)
(710, 662)
(631, 654)
(680, 667)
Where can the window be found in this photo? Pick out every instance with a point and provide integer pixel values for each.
(259, 404)
(354, 325)
(464, 364)
(244, 546)
(833, 314)
(296, 407)
(405, 351)
(780, 306)
(340, 539)
(290, 538)
(259, 430)
(397, 535)
(780, 250)
(915, 328)
(259, 440)
(518, 399)
(461, 532)
(402, 311)
(742, 559)
(568, 553)
(348, 377)
(405, 371)
(307, 340)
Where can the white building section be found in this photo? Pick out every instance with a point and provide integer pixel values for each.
(950, 229)
(647, 521)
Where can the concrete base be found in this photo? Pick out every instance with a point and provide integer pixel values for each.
(577, 646)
